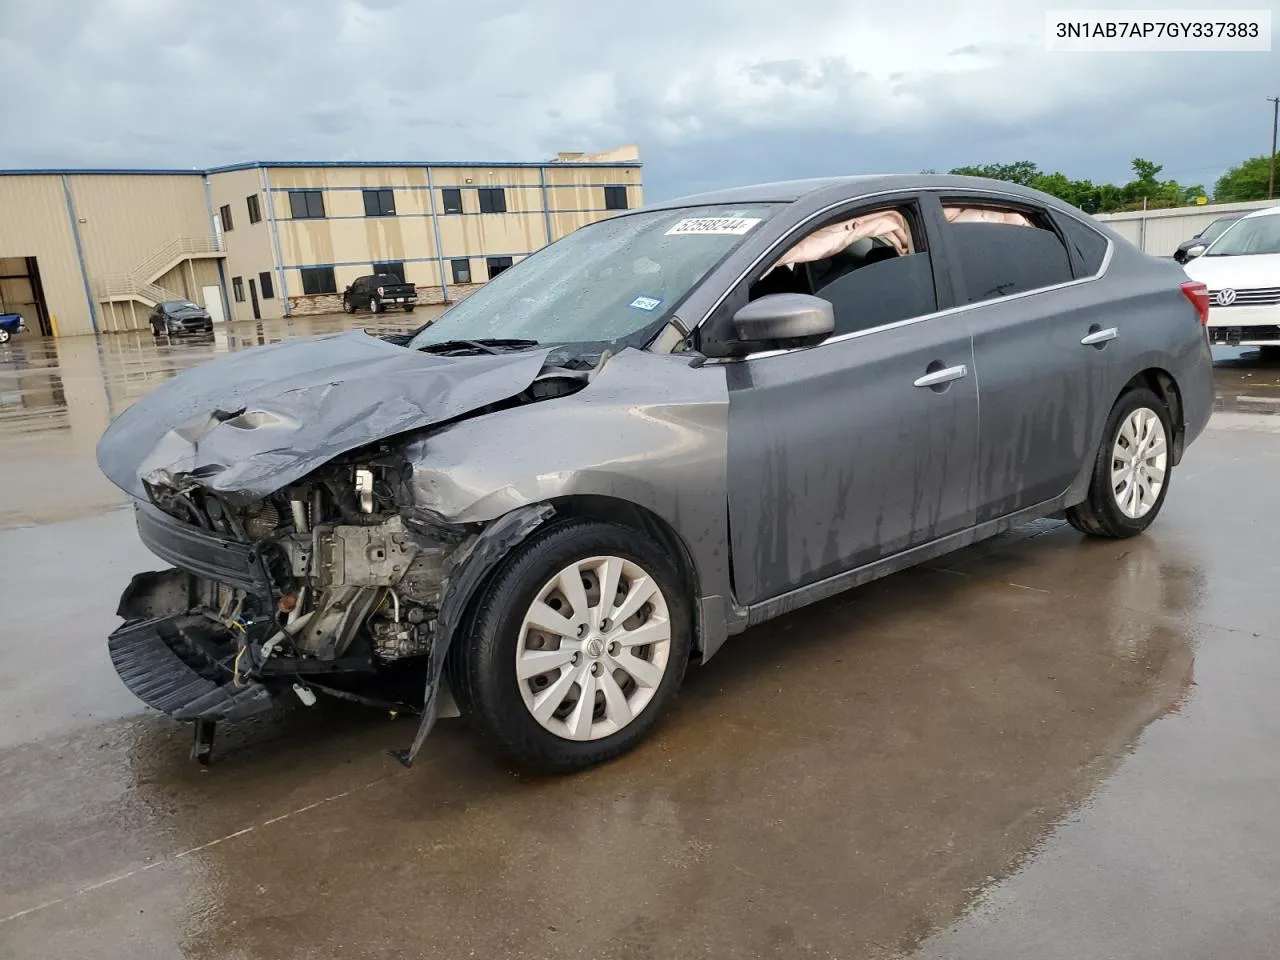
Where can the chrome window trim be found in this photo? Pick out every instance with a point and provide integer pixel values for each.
(959, 308)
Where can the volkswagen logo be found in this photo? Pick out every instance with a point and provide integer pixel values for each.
(1226, 297)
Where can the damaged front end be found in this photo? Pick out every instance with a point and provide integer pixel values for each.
(326, 587)
(274, 483)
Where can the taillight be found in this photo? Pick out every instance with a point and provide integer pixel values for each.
(1202, 320)
(1198, 294)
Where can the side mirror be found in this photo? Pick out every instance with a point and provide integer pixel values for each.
(1195, 250)
(784, 316)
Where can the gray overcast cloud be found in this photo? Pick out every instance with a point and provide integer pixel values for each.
(714, 91)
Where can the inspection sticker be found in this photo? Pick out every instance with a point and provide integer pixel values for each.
(646, 303)
(731, 226)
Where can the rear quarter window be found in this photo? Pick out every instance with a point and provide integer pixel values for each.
(1089, 245)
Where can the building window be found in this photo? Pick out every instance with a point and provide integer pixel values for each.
(306, 204)
(264, 283)
(237, 288)
(379, 203)
(496, 265)
(255, 212)
(394, 268)
(452, 197)
(492, 200)
(225, 213)
(615, 198)
(461, 270)
(318, 280)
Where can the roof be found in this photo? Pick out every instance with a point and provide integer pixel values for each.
(834, 188)
(257, 164)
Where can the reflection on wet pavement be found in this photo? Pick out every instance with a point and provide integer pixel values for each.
(1042, 746)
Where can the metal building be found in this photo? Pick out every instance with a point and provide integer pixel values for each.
(1159, 232)
(95, 250)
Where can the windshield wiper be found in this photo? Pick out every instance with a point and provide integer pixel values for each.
(484, 345)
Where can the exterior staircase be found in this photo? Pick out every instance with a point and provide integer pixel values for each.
(139, 284)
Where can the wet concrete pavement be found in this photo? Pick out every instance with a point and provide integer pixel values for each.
(1040, 747)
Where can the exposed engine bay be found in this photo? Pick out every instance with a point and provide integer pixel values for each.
(332, 585)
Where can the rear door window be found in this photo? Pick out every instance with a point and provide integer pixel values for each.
(1001, 251)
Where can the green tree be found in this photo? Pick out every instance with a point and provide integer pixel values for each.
(1021, 171)
(1246, 181)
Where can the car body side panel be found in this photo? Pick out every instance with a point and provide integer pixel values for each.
(838, 459)
(1043, 394)
(649, 429)
(1158, 329)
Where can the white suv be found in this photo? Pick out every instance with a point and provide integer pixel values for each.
(1242, 271)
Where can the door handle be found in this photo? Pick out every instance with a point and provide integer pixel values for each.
(945, 375)
(1099, 336)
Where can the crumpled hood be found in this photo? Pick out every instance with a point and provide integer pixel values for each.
(250, 423)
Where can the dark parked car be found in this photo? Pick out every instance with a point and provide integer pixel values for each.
(177, 318)
(11, 324)
(1205, 237)
(645, 438)
(379, 292)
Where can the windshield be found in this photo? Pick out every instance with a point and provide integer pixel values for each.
(1251, 235)
(602, 283)
(1214, 230)
(180, 306)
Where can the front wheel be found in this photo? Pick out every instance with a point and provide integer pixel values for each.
(1132, 470)
(348, 306)
(577, 646)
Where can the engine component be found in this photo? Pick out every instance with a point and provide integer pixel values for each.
(261, 519)
(341, 612)
(364, 489)
(366, 556)
(395, 640)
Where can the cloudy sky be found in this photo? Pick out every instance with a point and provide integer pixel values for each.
(715, 92)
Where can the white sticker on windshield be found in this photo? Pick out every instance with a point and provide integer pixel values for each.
(730, 226)
(646, 303)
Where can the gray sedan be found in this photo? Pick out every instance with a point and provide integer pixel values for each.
(645, 438)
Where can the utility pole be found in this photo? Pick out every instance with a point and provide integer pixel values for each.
(1275, 118)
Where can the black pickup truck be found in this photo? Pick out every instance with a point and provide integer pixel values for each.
(379, 292)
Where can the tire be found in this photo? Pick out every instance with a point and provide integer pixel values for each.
(4, 335)
(375, 305)
(348, 306)
(1107, 512)
(408, 308)
(499, 705)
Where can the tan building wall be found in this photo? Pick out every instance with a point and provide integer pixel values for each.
(35, 223)
(250, 252)
(1159, 232)
(120, 220)
(542, 202)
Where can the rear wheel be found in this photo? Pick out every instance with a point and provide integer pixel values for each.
(1132, 470)
(375, 305)
(4, 335)
(408, 308)
(578, 644)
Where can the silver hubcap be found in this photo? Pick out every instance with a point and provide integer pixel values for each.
(1139, 463)
(593, 648)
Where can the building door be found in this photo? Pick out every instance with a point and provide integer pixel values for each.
(213, 302)
(253, 298)
(21, 292)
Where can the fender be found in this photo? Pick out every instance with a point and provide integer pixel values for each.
(492, 544)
